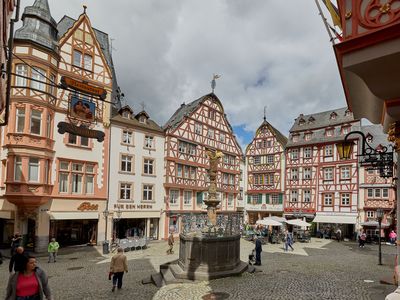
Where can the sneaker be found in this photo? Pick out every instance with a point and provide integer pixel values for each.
(113, 289)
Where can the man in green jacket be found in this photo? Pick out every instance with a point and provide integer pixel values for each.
(53, 249)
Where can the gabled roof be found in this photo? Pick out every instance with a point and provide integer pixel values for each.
(279, 136)
(187, 109)
(133, 122)
(126, 107)
(322, 119)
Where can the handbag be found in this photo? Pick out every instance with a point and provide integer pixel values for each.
(110, 275)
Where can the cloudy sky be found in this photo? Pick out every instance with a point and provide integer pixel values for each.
(270, 53)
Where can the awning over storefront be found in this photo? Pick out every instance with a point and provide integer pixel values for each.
(74, 215)
(5, 215)
(335, 219)
(374, 224)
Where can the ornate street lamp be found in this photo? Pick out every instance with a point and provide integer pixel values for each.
(373, 159)
(106, 250)
(379, 216)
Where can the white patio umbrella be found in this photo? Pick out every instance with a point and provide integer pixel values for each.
(268, 222)
(298, 222)
(276, 218)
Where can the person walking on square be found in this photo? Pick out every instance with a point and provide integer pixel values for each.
(258, 251)
(363, 238)
(338, 234)
(118, 266)
(392, 237)
(15, 242)
(170, 243)
(30, 283)
(53, 249)
(288, 240)
(18, 260)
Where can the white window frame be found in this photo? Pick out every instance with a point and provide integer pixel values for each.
(307, 152)
(33, 166)
(39, 75)
(148, 165)
(124, 189)
(174, 196)
(345, 199)
(20, 115)
(148, 192)
(127, 159)
(149, 142)
(17, 168)
(345, 172)
(36, 118)
(294, 154)
(21, 70)
(328, 150)
(294, 196)
(328, 200)
(127, 137)
(328, 174)
(307, 196)
(187, 197)
(307, 173)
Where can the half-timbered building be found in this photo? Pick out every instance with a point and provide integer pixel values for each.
(136, 175)
(265, 167)
(55, 185)
(192, 129)
(318, 183)
(375, 191)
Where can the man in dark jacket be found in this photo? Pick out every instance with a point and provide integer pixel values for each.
(18, 260)
(258, 252)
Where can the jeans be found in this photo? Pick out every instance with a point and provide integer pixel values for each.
(34, 297)
(288, 243)
(258, 257)
(52, 255)
(118, 278)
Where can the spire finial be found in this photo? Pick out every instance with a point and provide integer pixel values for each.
(143, 105)
(213, 83)
(84, 8)
(265, 113)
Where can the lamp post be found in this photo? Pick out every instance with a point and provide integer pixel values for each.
(379, 216)
(106, 213)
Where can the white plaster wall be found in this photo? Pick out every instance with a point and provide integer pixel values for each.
(137, 178)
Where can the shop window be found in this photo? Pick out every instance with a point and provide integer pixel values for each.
(20, 122)
(36, 120)
(21, 74)
(148, 192)
(33, 175)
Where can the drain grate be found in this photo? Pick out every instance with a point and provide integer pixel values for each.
(215, 296)
(74, 268)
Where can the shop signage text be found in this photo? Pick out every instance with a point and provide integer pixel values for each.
(84, 87)
(88, 206)
(64, 127)
(133, 206)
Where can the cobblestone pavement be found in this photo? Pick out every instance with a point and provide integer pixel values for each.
(322, 269)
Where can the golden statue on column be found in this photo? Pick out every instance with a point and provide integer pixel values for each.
(212, 201)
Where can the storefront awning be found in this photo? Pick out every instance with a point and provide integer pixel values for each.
(92, 215)
(335, 219)
(5, 215)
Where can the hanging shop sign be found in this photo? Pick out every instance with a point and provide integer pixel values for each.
(133, 206)
(88, 206)
(82, 109)
(84, 87)
(81, 130)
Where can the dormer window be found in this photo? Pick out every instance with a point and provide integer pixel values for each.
(302, 122)
(333, 116)
(126, 114)
(345, 130)
(329, 132)
(347, 112)
(295, 138)
(142, 119)
(311, 120)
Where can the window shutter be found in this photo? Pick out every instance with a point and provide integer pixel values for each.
(259, 200)
(199, 198)
(267, 198)
(248, 199)
(280, 198)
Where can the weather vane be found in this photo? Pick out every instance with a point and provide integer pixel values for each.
(143, 105)
(213, 83)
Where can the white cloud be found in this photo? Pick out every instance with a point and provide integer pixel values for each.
(270, 53)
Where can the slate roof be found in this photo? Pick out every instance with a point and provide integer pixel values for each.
(322, 119)
(38, 26)
(133, 122)
(317, 123)
(377, 134)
